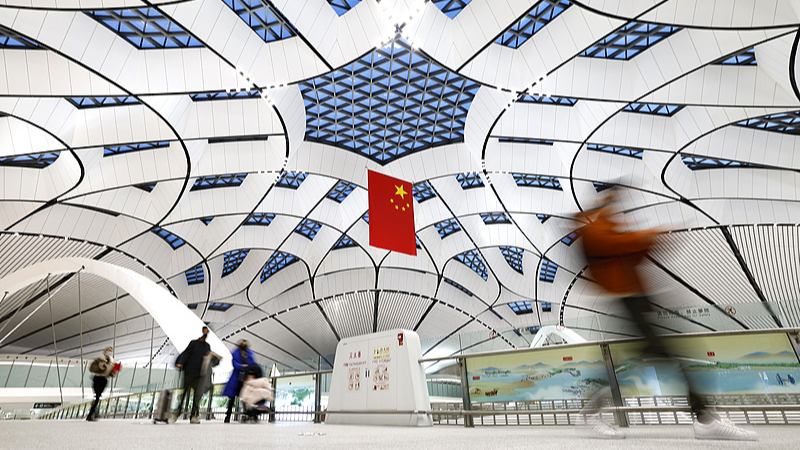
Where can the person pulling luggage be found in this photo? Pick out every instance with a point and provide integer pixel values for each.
(191, 363)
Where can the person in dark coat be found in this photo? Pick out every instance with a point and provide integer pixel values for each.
(191, 363)
(242, 357)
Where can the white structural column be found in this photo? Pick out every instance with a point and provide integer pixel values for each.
(179, 323)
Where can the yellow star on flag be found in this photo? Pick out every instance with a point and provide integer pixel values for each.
(400, 191)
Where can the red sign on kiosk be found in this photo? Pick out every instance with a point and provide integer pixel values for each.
(711, 354)
(400, 339)
(568, 358)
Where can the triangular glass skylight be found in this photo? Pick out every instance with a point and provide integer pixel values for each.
(11, 39)
(473, 260)
(513, 256)
(458, 286)
(232, 260)
(31, 160)
(451, 8)
(653, 108)
(344, 242)
(423, 191)
(494, 217)
(469, 180)
(217, 181)
(629, 40)
(746, 57)
(390, 103)
(342, 6)
(99, 102)
(291, 180)
(145, 28)
(540, 15)
(308, 228)
(696, 162)
(224, 95)
(119, 149)
(624, 151)
(341, 191)
(447, 227)
(787, 123)
(266, 21)
(532, 180)
(276, 262)
(260, 219)
(542, 217)
(548, 99)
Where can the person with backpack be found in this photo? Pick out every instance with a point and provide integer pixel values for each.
(191, 363)
(242, 357)
(103, 368)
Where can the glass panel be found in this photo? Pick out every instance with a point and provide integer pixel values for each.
(52, 376)
(19, 372)
(38, 374)
(73, 377)
(123, 381)
(5, 368)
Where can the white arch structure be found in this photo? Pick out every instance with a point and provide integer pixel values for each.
(177, 321)
(569, 336)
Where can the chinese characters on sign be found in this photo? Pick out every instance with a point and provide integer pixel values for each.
(686, 312)
(381, 356)
(354, 370)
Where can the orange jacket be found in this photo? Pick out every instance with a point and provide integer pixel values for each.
(613, 254)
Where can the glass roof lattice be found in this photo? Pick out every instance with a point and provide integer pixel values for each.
(342, 6)
(147, 187)
(117, 150)
(570, 238)
(629, 41)
(291, 180)
(344, 242)
(513, 256)
(217, 306)
(195, 275)
(276, 262)
(494, 217)
(447, 227)
(308, 228)
(624, 151)
(746, 57)
(540, 15)
(217, 181)
(548, 99)
(206, 220)
(520, 308)
(542, 217)
(599, 186)
(260, 219)
(531, 180)
(469, 180)
(11, 39)
(458, 286)
(521, 140)
(174, 241)
(390, 103)
(473, 260)
(99, 102)
(423, 191)
(653, 108)
(341, 191)
(265, 20)
(232, 260)
(451, 8)
(224, 95)
(145, 28)
(696, 162)
(787, 123)
(548, 271)
(30, 161)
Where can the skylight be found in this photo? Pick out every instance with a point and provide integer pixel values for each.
(145, 28)
(206, 220)
(195, 275)
(30, 161)
(365, 217)
(531, 180)
(341, 191)
(599, 186)
(174, 241)
(546, 306)
(520, 308)
(696, 162)
(342, 6)
(520, 140)
(423, 191)
(746, 57)
(540, 15)
(147, 187)
(458, 286)
(787, 123)
(469, 180)
(548, 99)
(344, 242)
(473, 260)
(276, 262)
(447, 227)
(217, 306)
(224, 95)
(495, 217)
(543, 217)
(624, 151)
(119, 149)
(250, 138)
(548, 271)
(653, 108)
(291, 180)
(570, 238)
(513, 256)
(308, 228)
(99, 102)
(11, 39)
(260, 219)
(217, 181)
(451, 8)
(268, 23)
(232, 260)
(629, 41)
(390, 103)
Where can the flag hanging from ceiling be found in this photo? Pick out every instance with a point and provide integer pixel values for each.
(391, 214)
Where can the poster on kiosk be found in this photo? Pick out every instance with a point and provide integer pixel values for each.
(379, 373)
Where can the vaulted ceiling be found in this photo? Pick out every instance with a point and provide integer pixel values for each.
(220, 147)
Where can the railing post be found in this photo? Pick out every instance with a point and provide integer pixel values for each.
(462, 365)
(318, 398)
(274, 389)
(619, 416)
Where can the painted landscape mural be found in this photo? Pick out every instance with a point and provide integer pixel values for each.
(752, 364)
(568, 373)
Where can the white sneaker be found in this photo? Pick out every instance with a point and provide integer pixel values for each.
(722, 429)
(194, 419)
(174, 418)
(601, 429)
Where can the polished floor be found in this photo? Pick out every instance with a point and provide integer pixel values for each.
(143, 435)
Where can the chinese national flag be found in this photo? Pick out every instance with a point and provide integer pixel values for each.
(391, 214)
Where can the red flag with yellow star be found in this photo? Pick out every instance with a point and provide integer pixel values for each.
(391, 214)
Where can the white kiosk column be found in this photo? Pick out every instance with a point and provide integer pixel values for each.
(378, 380)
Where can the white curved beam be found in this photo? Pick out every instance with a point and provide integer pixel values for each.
(177, 321)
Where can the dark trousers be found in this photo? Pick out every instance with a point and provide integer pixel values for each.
(231, 404)
(637, 307)
(99, 384)
(190, 382)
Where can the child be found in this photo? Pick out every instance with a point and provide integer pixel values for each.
(255, 392)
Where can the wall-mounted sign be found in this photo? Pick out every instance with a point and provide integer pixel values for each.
(46, 405)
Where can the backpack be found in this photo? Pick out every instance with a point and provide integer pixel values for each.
(97, 366)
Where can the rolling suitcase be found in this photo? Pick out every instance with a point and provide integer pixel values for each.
(162, 412)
